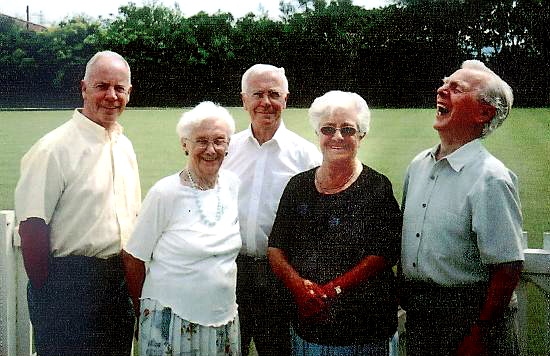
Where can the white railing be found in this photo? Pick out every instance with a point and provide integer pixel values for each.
(15, 327)
(536, 271)
(16, 331)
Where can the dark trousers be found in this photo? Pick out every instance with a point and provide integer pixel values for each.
(438, 319)
(263, 308)
(83, 309)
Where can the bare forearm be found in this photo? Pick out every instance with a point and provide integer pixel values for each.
(35, 247)
(503, 280)
(134, 272)
(308, 296)
(283, 269)
(365, 269)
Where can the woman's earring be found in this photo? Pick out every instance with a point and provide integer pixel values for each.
(226, 153)
(186, 153)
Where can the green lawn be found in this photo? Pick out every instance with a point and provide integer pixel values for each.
(522, 143)
(396, 136)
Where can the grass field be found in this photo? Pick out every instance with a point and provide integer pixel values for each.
(396, 136)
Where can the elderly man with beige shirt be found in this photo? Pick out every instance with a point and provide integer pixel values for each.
(76, 202)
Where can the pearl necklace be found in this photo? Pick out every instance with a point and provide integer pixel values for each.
(219, 209)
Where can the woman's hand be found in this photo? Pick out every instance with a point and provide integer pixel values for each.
(136, 303)
(308, 296)
(331, 291)
(310, 300)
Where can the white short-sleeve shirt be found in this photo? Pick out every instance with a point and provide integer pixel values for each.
(192, 265)
(83, 181)
(264, 171)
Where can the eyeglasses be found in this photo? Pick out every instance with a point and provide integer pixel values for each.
(203, 143)
(271, 94)
(345, 131)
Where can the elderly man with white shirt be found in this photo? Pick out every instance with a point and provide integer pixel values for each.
(264, 156)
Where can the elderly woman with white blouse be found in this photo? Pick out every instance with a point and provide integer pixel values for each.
(188, 234)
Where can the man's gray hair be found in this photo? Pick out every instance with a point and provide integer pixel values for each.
(496, 92)
(325, 105)
(260, 69)
(102, 54)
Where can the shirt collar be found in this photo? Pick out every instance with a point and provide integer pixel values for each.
(278, 138)
(459, 158)
(96, 130)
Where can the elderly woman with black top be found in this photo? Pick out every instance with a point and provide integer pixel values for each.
(188, 233)
(335, 239)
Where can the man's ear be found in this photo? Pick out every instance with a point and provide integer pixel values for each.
(243, 100)
(82, 88)
(487, 112)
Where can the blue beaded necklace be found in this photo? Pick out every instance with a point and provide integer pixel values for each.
(219, 209)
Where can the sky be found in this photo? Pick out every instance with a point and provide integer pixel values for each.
(47, 12)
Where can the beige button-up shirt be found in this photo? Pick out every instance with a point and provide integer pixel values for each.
(83, 181)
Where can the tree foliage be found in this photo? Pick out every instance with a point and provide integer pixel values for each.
(393, 56)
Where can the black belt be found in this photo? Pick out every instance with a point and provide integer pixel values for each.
(86, 265)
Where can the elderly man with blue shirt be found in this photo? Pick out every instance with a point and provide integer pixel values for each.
(461, 243)
(264, 156)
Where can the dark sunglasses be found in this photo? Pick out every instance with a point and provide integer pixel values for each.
(344, 131)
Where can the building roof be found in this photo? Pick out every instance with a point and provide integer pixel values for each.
(31, 26)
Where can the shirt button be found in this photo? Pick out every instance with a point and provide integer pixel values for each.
(414, 264)
(417, 234)
(424, 205)
(432, 177)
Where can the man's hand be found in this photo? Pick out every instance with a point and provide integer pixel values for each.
(134, 272)
(473, 344)
(503, 279)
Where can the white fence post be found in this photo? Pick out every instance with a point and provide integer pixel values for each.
(8, 290)
(24, 328)
(536, 271)
(546, 240)
(15, 332)
(525, 240)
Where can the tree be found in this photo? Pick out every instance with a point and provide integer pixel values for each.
(49, 63)
(393, 56)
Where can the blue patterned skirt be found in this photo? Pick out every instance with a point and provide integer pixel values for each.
(163, 333)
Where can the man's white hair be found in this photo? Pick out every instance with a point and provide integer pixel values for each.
(495, 92)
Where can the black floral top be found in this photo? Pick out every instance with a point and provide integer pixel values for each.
(324, 236)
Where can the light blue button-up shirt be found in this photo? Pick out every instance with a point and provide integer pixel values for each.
(461, 214)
